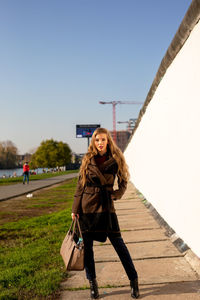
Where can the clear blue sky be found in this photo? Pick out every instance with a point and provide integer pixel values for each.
(59, 58)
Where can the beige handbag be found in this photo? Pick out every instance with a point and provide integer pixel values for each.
(72, 248)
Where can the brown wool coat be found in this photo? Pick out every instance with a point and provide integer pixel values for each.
(93, 201)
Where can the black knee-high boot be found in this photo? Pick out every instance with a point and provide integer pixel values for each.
(134, 289)
(94, 289)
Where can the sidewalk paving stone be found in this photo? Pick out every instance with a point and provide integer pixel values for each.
(138, 251)
(129, 205)
(138, 236)
(133, 213)
(137, 224)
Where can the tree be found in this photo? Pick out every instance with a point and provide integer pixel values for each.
(8, 155)
(51, 154)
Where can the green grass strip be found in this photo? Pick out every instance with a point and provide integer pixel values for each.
(30, 263)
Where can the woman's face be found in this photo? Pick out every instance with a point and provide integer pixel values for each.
(101, 142)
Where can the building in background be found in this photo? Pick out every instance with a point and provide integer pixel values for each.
(122, 138)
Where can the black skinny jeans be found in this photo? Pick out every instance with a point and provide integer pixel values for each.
(121, 250)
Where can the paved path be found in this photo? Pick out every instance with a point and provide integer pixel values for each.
(164, 272)
(14, 190)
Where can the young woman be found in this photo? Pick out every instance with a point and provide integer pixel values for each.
(94, 206)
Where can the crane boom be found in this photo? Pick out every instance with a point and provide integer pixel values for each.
(114, 103)
(128, 102)
(120, 102)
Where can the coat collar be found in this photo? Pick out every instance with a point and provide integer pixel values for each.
(105, 164)
(92, 167)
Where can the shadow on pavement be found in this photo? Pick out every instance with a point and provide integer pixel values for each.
(178, 288)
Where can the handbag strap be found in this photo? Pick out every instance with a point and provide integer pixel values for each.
(73, 224)
(79, 228)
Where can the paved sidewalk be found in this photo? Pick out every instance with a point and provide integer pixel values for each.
(164, 273)
(15, 190)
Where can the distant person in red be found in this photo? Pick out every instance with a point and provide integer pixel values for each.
(26, 170)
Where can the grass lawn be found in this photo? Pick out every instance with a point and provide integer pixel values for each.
(12, 180)
(30, 238)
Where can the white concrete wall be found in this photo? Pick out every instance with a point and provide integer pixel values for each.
(164, 153)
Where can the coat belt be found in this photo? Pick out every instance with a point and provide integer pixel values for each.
(105, 197)
(105, 194)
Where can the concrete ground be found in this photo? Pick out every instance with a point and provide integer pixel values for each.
(15, 190)
(164, 272)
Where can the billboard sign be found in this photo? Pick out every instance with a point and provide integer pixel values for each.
(86, 131)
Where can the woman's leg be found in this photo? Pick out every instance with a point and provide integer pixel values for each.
(90, 266)
(24, 179)
(89, 257)
(124, 256)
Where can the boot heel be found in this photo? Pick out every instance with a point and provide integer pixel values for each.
(134, 289)
(94, 293)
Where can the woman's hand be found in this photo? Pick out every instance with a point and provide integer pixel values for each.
(74, 216)
(112, 197)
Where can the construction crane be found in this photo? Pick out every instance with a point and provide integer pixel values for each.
(130, 122)
(114, 103)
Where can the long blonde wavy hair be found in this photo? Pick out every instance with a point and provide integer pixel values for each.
(116, 153)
